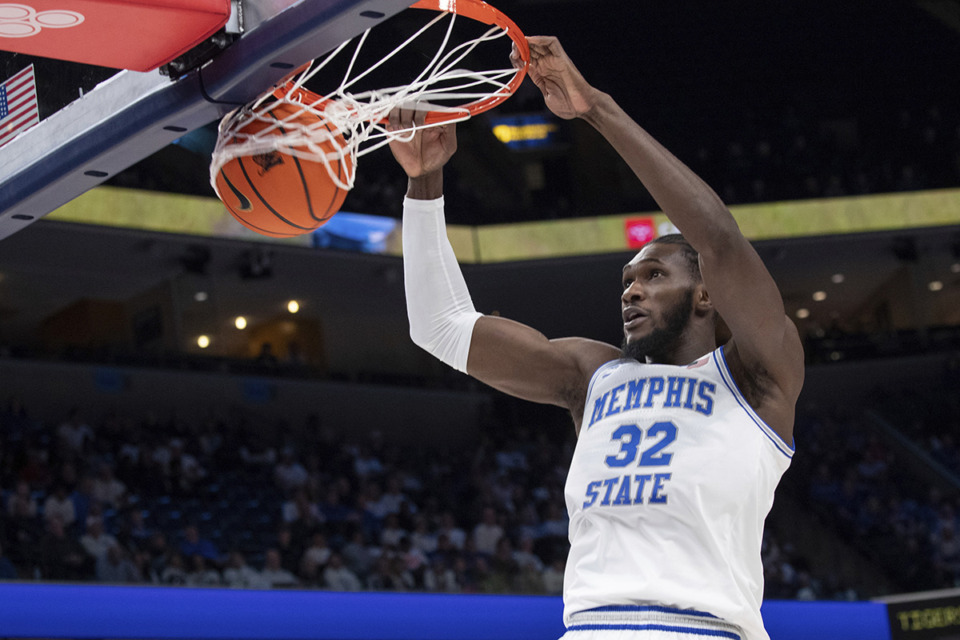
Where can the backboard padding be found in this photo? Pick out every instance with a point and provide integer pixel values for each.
(132, 115)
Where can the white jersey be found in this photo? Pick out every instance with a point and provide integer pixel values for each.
(671, 480)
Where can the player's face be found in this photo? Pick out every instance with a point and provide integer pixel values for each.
(657, 302)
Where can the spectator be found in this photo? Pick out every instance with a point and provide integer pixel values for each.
(289, 475)
(525, 556)
(115, 567)
(74, 435)
(35, 471)
(289, 547)
(488, 532)
(97, 542)
(7, 570)
(201, 574)
(59, 504)
(301, 512)
(339, 577)
(274, 575)
(157, 553)
(134, 532)
(356, 554)
(192, 545)
(107, 489)
(438, 576)
(316, 556)
(173, 572)
(449, 528)
(421, 538)
(393, 500)
(392, 533)
(23, 528)
(553, 577)
(389, 575)
(61, 557)
(239, 574)
(22, 505)
(183, 471)
(257, 453)
(84, 501)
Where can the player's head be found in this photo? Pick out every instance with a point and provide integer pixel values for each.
(663, 295)
(687, 252)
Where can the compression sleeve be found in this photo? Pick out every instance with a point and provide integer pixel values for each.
(439, 307)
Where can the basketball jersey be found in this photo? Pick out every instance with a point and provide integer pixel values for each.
(672, 477)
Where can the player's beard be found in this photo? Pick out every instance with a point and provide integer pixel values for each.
(662, 341)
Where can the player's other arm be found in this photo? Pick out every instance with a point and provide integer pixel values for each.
(507, 355)
(766, 347)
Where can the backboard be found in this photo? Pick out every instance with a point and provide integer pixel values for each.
(95, 121)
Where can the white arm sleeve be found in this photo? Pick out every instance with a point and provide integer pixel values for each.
(439, 307)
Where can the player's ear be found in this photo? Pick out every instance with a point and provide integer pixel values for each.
(702, 303)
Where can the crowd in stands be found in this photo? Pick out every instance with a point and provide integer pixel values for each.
(791, 157)
(238, 501)
(864, 486)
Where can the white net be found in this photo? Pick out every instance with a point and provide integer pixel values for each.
(345, 124)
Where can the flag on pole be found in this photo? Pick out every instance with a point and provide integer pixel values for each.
(18, 105)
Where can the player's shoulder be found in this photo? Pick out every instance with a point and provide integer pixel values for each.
(589, 354)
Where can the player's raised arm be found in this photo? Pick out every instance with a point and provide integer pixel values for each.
(765, 353)
(507, 355)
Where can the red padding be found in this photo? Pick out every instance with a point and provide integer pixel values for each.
(124, 34)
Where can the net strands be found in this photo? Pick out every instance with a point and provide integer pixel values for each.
(354, 124)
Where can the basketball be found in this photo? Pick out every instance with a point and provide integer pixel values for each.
(278, 194)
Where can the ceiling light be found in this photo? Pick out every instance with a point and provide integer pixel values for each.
(955, 267)
(201, 296)
(837, 278)
(803, 313)
(819, 296)
(293, 306)
(935, 285)
(203, 341)
(240, 322)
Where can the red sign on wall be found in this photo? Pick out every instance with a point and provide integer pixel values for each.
(639, 231)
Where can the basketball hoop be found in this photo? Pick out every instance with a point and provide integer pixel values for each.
(347, 123)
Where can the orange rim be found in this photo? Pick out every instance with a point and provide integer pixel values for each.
(487, 14)
(475, 10)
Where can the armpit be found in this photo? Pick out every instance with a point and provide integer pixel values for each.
(753, 383)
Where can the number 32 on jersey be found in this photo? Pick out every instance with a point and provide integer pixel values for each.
(635, 488)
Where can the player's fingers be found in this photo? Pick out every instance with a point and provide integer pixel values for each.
(419, 117)
(515, 59)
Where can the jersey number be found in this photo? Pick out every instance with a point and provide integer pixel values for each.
(630, 436)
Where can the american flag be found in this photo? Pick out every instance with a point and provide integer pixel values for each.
(18, 105)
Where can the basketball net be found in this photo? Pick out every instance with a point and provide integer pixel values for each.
(347, 124)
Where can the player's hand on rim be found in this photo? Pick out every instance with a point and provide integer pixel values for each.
(422, 150)
(566, 93)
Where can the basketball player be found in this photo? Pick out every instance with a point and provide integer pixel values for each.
(680, 443)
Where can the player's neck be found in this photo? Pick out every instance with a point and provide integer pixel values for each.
(687, 351)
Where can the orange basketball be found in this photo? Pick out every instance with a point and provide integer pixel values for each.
(280, 195)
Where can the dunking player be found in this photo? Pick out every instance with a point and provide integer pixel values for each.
(680, 443)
